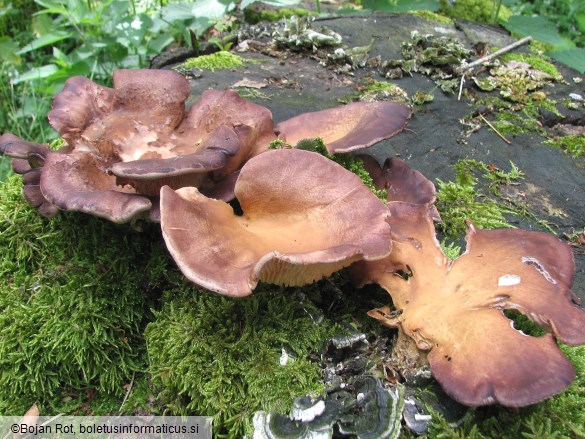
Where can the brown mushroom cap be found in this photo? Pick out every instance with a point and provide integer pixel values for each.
(18, 148)
(141, 131)
(299, 225)
(78, 182)
(28, 159)
(401, 182)
(77, 106)
(353, 126)
(137, 137)
(143, 107)
(454, 310)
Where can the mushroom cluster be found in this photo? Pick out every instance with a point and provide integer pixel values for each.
(124, 144)
(135, 151)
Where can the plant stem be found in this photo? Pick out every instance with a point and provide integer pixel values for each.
(465, 67)
(497, 11)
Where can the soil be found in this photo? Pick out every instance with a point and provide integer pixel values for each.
(553, 188)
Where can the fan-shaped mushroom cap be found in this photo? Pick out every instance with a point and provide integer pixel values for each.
(28, 159)
(343, 129)
(305, 217)
(79, 182)
(18, 148)
(401, 182)
(141, 131)
(454, 310)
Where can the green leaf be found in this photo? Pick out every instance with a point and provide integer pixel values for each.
(37, 73)
(580, 19)
(7, 51)
(160, 43)
(45, 40)
(177, 12)
(42, 25)
(574, 58)
(212, 8)
(401, 6)
(60, 57)
(539, 28)
(274, 3)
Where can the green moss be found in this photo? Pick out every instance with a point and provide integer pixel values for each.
(254, 16)
(572, 144)
(513, 118)
(216, 356)
(461, 200)
(372, 90)
(381, 90)
(348, 161)
(451, 250)
(216, 61)
(279, 144)
(432, 16)
(474, 10)
(514, 123)
(537, 62)
(71, 315)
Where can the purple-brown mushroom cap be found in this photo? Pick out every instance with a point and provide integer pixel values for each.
(402, 183)
(300, 212)
(343, 129)
(454, 309)
(79, 182)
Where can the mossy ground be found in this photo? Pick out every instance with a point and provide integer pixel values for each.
(474, 10)
(216, 61)
(254, 16)
(572, 144)
(92, 312)
(465, 199)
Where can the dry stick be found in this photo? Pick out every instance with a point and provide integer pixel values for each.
(127, 392)
(494, 128)
(465, 68)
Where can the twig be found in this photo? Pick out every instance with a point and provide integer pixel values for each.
(494, 128)
(461, 87)
(465, 67)
(127, 392)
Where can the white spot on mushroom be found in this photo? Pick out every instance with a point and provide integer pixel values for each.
(507, 280)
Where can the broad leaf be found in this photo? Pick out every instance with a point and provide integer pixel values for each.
(401, 6)
(539, 28)
(36, 73)
(574, 58)
(7, 51)
(45, 40)
(160, 43)
(274, 3)
(212, 8)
